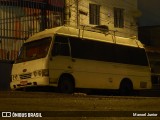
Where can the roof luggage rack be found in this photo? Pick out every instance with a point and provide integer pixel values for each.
(98, 28)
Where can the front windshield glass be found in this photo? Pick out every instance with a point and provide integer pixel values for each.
(34, 50)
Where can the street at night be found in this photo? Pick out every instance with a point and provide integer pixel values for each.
(49, 103)
(98, 59)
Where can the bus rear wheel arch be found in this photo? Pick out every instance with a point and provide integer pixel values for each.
(126, 87)
(66, 84)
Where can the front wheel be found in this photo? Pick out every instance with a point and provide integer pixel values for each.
(66, 85)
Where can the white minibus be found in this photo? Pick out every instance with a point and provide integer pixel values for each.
(70, 58)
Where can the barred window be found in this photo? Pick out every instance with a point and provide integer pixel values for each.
(94, 14)
(118, 17)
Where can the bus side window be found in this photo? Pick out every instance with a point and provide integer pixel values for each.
(56, 49)
(64, 50)
(60, 49)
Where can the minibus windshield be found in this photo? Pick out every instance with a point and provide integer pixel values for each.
(34, 50)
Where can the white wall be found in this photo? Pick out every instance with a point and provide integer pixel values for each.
(106, 14)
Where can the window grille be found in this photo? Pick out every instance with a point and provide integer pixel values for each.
(19, 19)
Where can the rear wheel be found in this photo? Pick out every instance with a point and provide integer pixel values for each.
(66, 85)
(126, 88)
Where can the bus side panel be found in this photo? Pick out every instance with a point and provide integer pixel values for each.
(108, 75)
(57, 66)
(95, 74)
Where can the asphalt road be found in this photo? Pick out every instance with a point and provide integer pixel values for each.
(78, 106)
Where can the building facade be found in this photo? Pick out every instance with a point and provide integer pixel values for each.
(20, 19)
(119, 15)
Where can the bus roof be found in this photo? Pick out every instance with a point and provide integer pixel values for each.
(86, 34)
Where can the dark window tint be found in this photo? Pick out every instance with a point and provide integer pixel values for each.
(104, 51)
(131, 55)
(94, 50)
(89, 49)
(138, 56)
(61, 46)
(100, 51)
(122, 54)
(81, 48)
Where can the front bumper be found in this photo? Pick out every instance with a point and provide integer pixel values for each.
(39, 81)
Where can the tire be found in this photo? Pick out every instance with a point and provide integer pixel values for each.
(126, 88)
(66, 85)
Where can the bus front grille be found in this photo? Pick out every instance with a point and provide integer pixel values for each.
(25, 76)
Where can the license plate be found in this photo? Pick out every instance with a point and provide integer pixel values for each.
(23, 82)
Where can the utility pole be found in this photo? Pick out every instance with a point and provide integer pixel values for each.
(67, 13)
(77, 10)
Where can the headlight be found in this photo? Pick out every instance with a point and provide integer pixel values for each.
(39, 72)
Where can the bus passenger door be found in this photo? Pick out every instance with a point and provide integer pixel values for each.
(60, 61)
